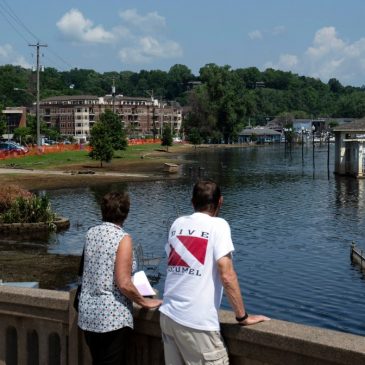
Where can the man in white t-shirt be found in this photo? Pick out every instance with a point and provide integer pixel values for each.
(199, 251)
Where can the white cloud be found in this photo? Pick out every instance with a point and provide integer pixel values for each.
(9, 56)
(325, 42)
(149, 22)
(287, 62)
(255, 34)
(280, 29)
(138, 36)
(149, 48)
(5, 50)
(145, 42)
(259, 34)
(133, 55)
(329, 56)
(77, 28)
(122, 33)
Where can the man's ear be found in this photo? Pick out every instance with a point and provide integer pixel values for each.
(220, 202)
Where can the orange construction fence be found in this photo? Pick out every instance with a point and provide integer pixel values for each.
(60, 147)
(143, 141)
(35, 150)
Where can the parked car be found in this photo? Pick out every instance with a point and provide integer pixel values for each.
(12, 146)
(48, 142)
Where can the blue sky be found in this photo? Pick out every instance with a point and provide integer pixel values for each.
(318, 38)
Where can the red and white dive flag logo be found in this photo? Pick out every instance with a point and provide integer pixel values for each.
(193, 249)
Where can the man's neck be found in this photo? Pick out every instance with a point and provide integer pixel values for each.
(208, 212)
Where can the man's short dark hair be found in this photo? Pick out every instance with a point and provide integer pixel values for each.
(206, 195)
(115, 207)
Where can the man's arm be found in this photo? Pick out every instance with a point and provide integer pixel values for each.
(232, 289)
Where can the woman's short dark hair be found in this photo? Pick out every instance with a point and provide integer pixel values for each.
(206, 195)
(115, 207)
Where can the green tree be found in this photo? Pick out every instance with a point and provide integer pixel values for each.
(166, 136)
(194, 137)
(201, 116)
(22, 135)
(32, 128)
(3, 123)
(53, 134)
(115, 130)
(178, 78)
(335, 85)
(101, 144)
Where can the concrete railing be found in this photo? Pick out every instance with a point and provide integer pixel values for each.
(38, 326)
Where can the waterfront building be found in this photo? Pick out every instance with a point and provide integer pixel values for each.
(259, 135)
(141, 117)
(321, 125)
(15, 117)
(350, 149)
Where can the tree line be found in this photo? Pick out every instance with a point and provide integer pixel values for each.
(220, 100)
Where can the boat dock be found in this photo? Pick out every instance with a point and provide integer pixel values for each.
(357, 256)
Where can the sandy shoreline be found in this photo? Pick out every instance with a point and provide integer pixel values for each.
(56, 179)
(150, 167)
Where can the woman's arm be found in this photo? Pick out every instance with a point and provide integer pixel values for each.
(123, 269)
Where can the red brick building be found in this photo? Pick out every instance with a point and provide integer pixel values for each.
(75, 115)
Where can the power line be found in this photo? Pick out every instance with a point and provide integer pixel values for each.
(12, 25)
(52, 62)
(59, 57)
(11, 17)
(18, 20)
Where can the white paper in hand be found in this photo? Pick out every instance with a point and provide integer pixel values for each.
(141, 282)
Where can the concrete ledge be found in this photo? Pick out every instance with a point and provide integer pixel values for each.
(42, 298)
(61, 223)
(269, 343)
(275, 342)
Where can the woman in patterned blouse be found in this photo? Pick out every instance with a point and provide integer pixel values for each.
(105, 307)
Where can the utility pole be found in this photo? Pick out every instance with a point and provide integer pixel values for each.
(154, 129)
(39, 142)
(113, 94)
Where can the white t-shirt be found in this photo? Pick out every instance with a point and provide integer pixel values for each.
(193, 289)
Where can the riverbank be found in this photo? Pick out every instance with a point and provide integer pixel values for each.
(142, 165)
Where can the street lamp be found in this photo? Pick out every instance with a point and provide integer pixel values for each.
(313, 130)
(302, 145)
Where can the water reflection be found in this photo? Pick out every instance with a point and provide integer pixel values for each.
(291, 224)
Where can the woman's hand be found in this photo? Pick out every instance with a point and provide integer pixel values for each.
(151, 303)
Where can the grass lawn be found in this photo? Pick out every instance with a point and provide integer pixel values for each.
(79, 157)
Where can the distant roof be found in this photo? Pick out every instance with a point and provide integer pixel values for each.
(15, 110)
(258, 132)
(70, 97)
(355, 126)
(132, 98)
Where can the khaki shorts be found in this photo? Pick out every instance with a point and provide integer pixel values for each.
(184, 345)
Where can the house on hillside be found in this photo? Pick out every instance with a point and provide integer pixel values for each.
(350, 149)
(259, 135)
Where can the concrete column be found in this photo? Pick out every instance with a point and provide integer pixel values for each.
(360, 154)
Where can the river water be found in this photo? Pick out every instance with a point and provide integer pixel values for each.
(292, 226)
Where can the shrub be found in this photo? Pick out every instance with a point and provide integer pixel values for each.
(29, 210)
(8, 195)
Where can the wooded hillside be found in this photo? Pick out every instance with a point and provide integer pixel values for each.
(221, 98)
